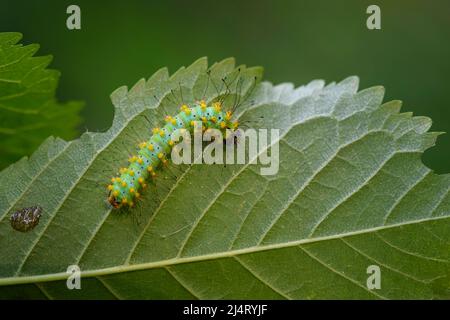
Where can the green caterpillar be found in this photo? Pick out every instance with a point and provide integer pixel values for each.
(152, 154)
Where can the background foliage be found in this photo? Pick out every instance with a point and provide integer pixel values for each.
(29, 112)
(297, 41)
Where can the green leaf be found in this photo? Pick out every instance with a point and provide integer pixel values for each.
(29, 112)
(351, 192)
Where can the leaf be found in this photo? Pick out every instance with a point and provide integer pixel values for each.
(351, 192)
(29, 112)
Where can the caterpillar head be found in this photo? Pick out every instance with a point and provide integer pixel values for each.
(114, 202)
(116, 197)
(114, 194)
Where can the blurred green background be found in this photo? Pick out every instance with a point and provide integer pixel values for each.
(296, 41)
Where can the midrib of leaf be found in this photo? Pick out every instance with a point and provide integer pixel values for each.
(213, 256)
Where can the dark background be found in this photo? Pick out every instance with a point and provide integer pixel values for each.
(296, 41)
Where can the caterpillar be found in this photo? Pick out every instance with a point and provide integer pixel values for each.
(125, 189)
(26, 219)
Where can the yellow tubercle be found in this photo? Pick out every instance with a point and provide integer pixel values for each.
(132, 190)
(149, 168)
(131, 172)
(222, 125)
(115, 193)
(150, 147)
(203, 105)
(142, 145)
(110, 187)
(228, 115)
(160, 155)
(217, 106)
(171, 143)
(155, 130)
(140, 161)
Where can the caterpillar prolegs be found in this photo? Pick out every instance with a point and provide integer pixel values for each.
(152, 154)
